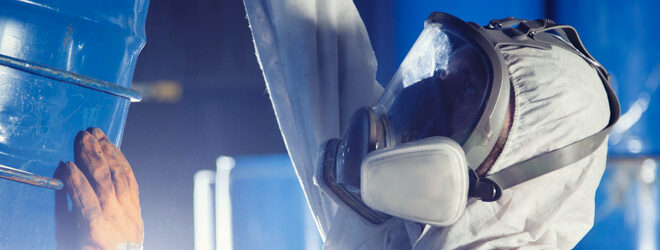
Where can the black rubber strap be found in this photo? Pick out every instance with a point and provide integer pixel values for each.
(551, 161)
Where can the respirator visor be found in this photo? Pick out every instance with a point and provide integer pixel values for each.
(440, 90)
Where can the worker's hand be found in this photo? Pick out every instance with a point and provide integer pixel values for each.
(104, 192)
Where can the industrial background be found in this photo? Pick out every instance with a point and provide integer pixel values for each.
(205, 47)
(204, 97)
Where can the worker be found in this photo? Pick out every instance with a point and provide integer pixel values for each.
(486, 137)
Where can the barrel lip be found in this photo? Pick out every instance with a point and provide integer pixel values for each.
(71, 78)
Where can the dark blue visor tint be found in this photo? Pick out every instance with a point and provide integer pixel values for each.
(353, 147)
(449, 100)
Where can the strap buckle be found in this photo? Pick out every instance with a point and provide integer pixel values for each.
(530, 28)
(504, 23)
(483, 188)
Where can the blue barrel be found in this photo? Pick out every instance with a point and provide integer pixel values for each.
(268, 207)
(64, 66)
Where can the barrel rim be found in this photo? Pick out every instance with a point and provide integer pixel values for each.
(71, 78)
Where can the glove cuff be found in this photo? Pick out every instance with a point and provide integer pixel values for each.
(128, 246)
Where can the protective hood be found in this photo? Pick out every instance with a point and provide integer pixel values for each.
(559, 99)
(319, 68)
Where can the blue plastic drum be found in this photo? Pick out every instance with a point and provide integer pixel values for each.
(64, 66)
(268, 207)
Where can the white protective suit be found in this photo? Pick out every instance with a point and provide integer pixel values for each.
(319, 68)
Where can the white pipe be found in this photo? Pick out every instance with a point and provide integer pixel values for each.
(203, 205)
(647, 205)
(223, 221)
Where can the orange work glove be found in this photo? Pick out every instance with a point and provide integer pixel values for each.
(104, 193)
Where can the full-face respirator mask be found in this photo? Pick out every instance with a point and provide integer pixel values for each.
(413, 154)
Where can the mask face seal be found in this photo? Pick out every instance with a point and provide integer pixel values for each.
(340, 161)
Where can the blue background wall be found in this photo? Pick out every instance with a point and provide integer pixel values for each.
(206, 47)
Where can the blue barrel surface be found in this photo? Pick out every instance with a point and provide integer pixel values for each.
(268, 206)
(64, 66)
